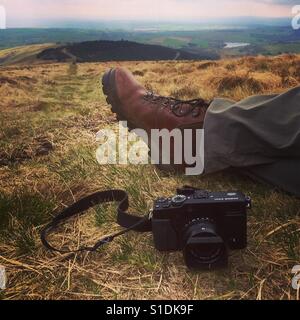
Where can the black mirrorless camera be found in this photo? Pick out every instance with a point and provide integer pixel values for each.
(203, 225)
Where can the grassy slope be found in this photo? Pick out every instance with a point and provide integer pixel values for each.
(49, 115)
(24, 54)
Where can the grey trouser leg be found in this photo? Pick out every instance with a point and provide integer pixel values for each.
(260, 134)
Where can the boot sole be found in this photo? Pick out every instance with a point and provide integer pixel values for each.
(110, 91)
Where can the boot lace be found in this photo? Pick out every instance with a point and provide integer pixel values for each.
(196, 106)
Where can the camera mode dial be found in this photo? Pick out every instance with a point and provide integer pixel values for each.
(178, 200)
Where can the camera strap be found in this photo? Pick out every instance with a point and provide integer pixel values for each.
(126, 220)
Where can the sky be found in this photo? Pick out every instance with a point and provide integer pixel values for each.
(30, 13)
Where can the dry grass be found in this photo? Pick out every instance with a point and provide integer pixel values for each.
(22, 54)
(49, 116)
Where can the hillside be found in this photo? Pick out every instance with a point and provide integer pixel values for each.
(49, 116)
(22, 55)
(93, 51)
(96, 51)
(264, 37)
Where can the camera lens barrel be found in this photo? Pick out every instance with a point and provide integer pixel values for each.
(203, 247)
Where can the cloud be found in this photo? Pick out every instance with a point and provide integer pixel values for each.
(19, 11)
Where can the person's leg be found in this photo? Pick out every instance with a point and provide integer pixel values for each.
(259, 130)
(260, 135)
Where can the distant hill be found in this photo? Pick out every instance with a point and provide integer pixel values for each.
(265, 36)
(98, 51)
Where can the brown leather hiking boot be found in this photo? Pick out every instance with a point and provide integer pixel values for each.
(142, 109)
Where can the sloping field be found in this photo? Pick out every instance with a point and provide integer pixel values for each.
(22, 55)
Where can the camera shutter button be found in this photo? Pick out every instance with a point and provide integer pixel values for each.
(162, 200)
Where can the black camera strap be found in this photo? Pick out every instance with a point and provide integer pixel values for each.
(126, 220)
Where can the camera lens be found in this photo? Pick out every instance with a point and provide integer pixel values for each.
(203, 247)
(205, 252)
